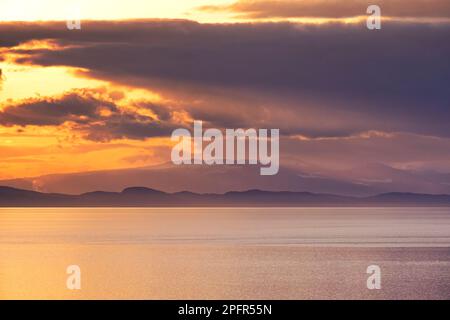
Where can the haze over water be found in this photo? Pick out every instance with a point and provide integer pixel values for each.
(226, 253)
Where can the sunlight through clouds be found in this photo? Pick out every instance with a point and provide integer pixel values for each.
(33, 10)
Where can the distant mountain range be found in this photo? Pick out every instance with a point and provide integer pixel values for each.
(363, 181)
(145, 197)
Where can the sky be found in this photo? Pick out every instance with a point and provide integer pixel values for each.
(359, 111)
(33, 10)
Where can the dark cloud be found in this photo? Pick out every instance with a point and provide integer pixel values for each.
(257, 9)
(129, 126)
(163, 112)
(88, 112)
(71, 107)
(341, 78)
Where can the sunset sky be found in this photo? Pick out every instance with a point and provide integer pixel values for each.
(359, 111)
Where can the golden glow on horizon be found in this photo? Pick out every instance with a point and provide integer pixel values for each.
(38, 150)
(61, 10)
(34, 10)
(47, 150)
(33, 151)
(48, 10)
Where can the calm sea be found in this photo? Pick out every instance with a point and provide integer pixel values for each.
(238, 253)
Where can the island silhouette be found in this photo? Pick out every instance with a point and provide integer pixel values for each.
(146, 197)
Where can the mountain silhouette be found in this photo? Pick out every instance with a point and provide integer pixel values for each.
(145, 197)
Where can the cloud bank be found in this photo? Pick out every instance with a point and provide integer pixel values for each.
(342, 96)
(264, 9)
(93, 114)
(357, 80)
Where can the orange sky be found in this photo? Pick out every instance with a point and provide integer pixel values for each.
(32, 150)
(31, 10)
(36, 150)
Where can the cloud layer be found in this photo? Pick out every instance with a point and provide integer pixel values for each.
(94, 115)
(263, 9)
(344, 97)
(395, 79)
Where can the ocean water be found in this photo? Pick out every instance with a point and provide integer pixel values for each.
(225, 253)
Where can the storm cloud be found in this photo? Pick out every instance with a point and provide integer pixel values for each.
(331, 79)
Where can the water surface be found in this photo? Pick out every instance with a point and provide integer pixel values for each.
(238, 253)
